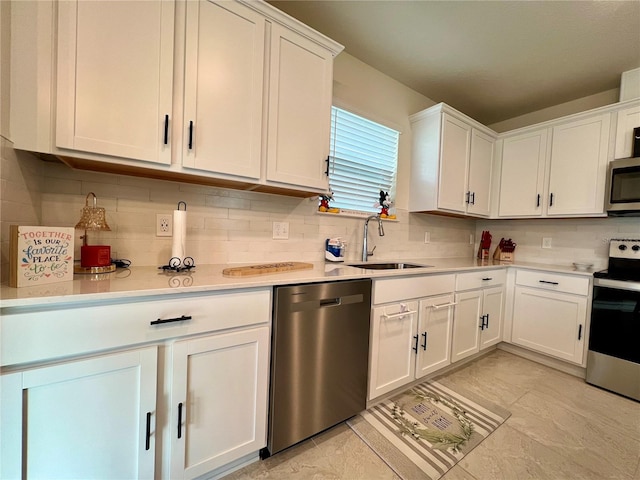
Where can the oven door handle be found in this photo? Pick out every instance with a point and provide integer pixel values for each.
(617, 284)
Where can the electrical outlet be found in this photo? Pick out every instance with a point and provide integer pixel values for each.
(164, 225)
(546, 242)
(280, 230)
(427, 237)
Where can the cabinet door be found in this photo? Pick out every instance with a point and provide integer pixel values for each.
(549, 322)
(300, 95)
(455, 146)
(93, 418)
(522, 178)
(114, 79)
(218, 400)
(466, 325)
(492, 307)
(435, 322)
(628, 119)
(578, 167)
(480, 168)
(393, 340)
(224, 79)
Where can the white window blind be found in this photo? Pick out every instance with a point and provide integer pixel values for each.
(363, 161)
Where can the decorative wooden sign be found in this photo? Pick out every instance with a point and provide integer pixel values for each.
(39, 255)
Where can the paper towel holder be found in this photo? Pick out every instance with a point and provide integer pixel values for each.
(177, 264)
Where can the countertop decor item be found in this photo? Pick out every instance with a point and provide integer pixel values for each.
(39, 255)
(93, 258)
(423, 432)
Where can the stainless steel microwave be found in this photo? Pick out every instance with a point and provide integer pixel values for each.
(623, 187)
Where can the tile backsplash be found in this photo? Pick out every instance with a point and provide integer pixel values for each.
(231, 226)
(224, 226)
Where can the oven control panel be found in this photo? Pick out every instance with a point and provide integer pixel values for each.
(625, 248)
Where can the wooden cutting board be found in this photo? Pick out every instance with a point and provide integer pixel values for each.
(265, 268)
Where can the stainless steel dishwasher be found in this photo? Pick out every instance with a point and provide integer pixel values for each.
(319, 359)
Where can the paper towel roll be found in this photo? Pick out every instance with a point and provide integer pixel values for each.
(178, 248)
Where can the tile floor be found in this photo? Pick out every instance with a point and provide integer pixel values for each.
(560, 428)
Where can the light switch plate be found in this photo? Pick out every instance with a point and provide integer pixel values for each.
(280, 230)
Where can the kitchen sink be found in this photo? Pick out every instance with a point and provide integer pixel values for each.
(387, 266)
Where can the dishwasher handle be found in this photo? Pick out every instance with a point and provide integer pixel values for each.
(329, 302)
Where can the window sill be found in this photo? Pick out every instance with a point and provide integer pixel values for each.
(345, 213)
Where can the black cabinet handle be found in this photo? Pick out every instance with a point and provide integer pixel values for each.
(415, 347)
(473, 198)
(551, 200)
(486, 279)
(580, 332)
(467, 195)
(169, 320)
(147, 441)
(424, 341)
(481, 322)
(538, 202)
(166, 129)
(486, 325)
(191, 135)
(326, 172)
(180, 420)
(548, 282)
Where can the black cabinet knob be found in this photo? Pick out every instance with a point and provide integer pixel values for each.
(622, 247)
(635, 248)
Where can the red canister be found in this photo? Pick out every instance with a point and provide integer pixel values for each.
(95, 255)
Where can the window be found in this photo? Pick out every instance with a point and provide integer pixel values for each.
(363, 160)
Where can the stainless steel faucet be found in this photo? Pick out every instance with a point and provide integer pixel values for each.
(366, 253)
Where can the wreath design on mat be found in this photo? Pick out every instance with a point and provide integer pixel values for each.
(439, 439)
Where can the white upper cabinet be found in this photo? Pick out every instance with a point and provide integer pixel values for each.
(300, 95)
(628, 119)
(250, 106)
(578, 167)
(523, 162)
(451, 165)
(224, 78)
(556, 170)
(114, 78)
(480, 173)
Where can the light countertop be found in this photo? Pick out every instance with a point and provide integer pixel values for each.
(138, 282)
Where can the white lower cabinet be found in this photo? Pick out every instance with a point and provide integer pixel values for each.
(102, 403)
(412, 338)
(91, 418)
(219, 400)
(434, 327)
(393, 336)
(478, 318)
(550, 314)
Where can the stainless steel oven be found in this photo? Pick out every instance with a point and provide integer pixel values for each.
(613, 359)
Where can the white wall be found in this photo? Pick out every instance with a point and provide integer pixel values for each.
(601, 99)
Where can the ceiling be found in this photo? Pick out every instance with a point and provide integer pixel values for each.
(493, 60)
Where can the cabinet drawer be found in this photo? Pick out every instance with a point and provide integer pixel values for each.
(66, 332)
(558, 282)
(479, 279)
(396, 289)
